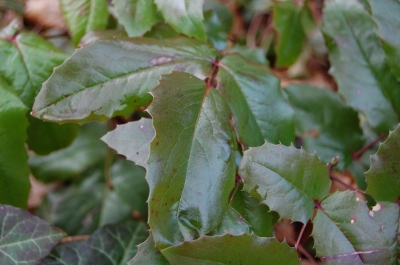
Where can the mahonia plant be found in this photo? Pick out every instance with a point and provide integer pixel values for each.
(217, 152)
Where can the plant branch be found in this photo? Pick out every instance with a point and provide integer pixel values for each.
(333, 178)
(356, 155)
(300, 235)
(303, 251)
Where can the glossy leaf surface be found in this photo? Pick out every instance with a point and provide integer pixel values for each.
(83, 16)
(383, 177)
(191, 168)
(112, 244)
(26, 63)
(348, 235)
(137, 16)
(326, 124)
(259, 109)
(185, 16)
(110, 78)
(286, 179)
(24, 238)
(358, 63)
(132, 140)
(14, 173)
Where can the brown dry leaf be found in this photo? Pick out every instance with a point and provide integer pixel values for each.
(46, 13)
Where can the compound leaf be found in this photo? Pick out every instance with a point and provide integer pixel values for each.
(358, 63)
(286, 179)
(24, 238)
(191, 168)
(110, 78)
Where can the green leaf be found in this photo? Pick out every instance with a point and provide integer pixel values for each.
(148, 254)
(137, 16)
(232, 223)
(253, 54)
(108, 34)
(358, 65)
(161, 31)
(287, 18)
(112, 244)
(132, 140)
(110, 78)
(229, 249)
(259, 217)
(27, 61)
(83, 16)
(14, 173)
(383, 177)
(184, 16)
(386, 14)
(257, 102)
(218, 22)
(24, 238)
(191, 168)
(45, 137)
(325, 123)
(345, 233)
(85, 151)
(287, 179)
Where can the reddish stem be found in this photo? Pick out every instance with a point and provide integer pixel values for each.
(360, 152)
(346, 185)
(300, 235)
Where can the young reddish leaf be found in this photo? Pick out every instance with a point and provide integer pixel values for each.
(132, 140)
(110, 78)
(257, 102)
(346, 234)
(287, 179)
(24, 238)
(191, 168)
(358, 65)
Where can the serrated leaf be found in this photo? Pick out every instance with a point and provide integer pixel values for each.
(326, 124)
(14, 173)
(232, 223)
(259, 217)
(112, 244)
(358, 65)
(291, 36)
(257, 102)
(46, 137)
(383, 177)
(83, 16)
(110, 78)
(85, 151)
(184, 16)
(148, 254)
(191, 168)
(345, 233)
(228, 249)
(137, 16)
(287, 179)
(26, 62)
(386, 14)
(24, 238)
(132, 140)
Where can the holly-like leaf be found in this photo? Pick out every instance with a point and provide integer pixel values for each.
(137, 16)
(24, 238)
(191, 168)
(184, 16)
(383, 177)
(83, 16)
(345, 233)
(110, 78)
(85, 151)
(358, 65)
(232, 223)
(26, 62)
(325, 123)
(14, 173)
(257, 102)
(148, 253)
(112, 244)
(229, 249)
(291, 35)
(132, 140)
(386, 14)
(286, 179)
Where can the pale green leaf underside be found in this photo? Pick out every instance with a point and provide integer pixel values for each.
(191, 168)
(287, 179)
(24, 238)
(110, 78)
